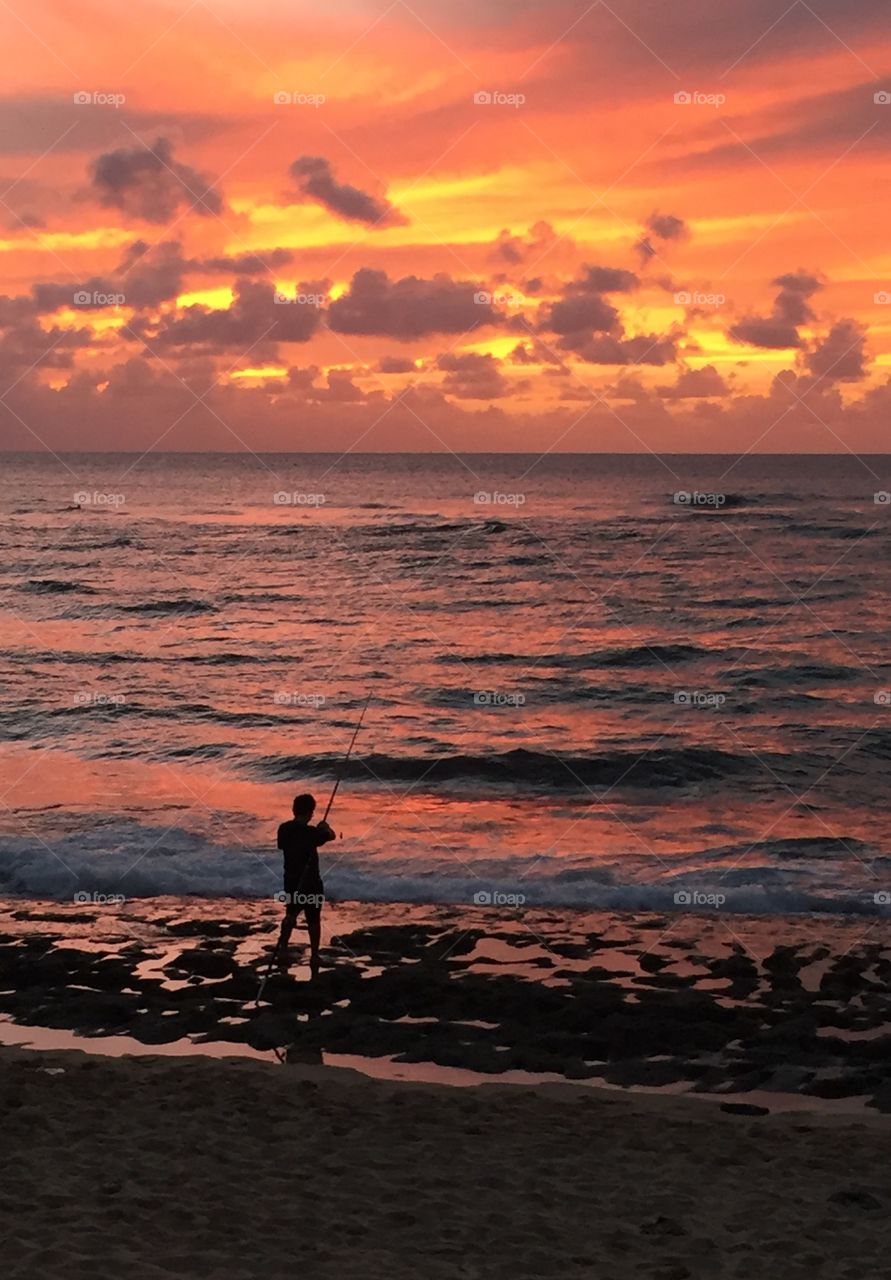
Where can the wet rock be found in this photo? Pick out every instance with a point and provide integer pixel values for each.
(204, 963)
(744, 1109)
(857, 1198)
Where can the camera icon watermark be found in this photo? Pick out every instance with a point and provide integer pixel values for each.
(284, 699)
(498, 898)
(882, 698)
(497, 499)
(695, 898)
(882, 498)
(882, 298)
(494, 698)
(882, 898)
(283, 499)
(683, 98)
(85, 498)
(882, 98)
(684, 498)
(289, 98)
(699, 699)
(688, 298)
(91, 98)
(81, 898)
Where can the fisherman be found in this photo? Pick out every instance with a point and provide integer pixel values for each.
(304, 891)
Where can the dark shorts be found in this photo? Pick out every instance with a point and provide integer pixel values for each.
(302, 898)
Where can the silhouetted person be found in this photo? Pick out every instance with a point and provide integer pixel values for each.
(300, 844)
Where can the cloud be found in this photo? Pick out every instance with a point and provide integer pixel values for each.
(660, 226)
(607, 348)
(470, 376)
(148, 184)
(254, 320)
(694, 384)
(396, 364)
(583, 309)
(791, 308)
(409, 308)
(316, 181)
(245, 264)
(840, 356)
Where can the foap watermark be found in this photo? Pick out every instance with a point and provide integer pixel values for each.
(693, 298)
(495, 98)
(497, 298)
(283, 698)
(696, 898)
(498, 898)
(94, 98)
(882, 98)
(81, 898)
(95, 298)
(495, 698)
(497, 499)
(882, 298)
(300, 899)
(299, 299)
(696, 498)
(92, 698)
(882, 498)
(282, 499)
(683, 98)
(85, 498)
(882, 898)
(699, 699)
(882, 698)
(293, 98)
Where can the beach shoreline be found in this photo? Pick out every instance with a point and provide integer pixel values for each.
(233, 1170)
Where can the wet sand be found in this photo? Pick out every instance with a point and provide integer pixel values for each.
(237, 1170)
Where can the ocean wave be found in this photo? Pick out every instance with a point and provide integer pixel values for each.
(144, 861)
(655, 768)
(55, 586)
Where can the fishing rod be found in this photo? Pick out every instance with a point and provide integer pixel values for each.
(346, 758)
(337, 781)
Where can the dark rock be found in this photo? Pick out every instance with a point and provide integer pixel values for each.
(857, 1198)
(744, 1109)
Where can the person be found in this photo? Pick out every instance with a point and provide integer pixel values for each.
(304, 890)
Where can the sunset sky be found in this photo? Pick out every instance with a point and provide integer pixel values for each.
(450, 224)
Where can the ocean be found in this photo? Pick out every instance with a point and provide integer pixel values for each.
(596, 681)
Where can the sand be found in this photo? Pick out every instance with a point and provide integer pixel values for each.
(160, 1167)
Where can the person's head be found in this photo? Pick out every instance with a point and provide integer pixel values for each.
(304, 807)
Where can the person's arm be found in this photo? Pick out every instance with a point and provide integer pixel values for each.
(324, 833)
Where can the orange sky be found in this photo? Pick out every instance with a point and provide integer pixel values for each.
(512, 226)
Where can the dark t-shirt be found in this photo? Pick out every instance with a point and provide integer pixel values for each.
(300, 843)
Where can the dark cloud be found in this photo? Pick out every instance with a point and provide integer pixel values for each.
(245, 264)
(607, 348)
(694, 384)
(396, 364)
(315, 179)
(791, 308)
(147, 183)
(660, 227)
(409, 308)
(150, 274)
(253, 320)
(471, 376)
(840, 356)
(581, 312)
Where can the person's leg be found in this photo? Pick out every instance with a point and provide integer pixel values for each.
(281, 950)
(314, 929)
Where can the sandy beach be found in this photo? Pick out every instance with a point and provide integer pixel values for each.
(237, 1170)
